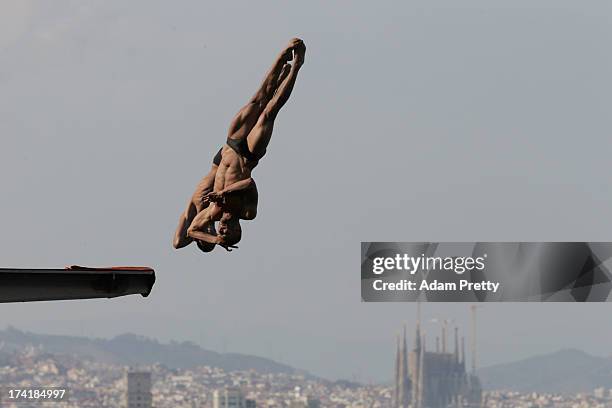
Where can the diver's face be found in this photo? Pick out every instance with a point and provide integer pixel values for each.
(222, 230)
(224, 224)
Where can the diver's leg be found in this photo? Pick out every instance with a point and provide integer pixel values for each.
(271, 80)
(260, 135)
(245, 119)
(283, 92)
(243, 122)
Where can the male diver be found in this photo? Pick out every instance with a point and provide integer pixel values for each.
(228, 192)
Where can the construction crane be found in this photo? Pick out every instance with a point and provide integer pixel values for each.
(473, 309)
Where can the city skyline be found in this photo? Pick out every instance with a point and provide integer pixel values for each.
(95, 385)
(433, 326)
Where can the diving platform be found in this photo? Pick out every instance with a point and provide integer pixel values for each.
(74, 282)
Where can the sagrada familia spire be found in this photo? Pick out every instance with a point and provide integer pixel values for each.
(402, 391)
(438, 379)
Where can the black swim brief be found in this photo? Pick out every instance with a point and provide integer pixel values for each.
(241, 147)
(217, 159)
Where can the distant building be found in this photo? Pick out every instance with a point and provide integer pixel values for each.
(312, 402)
(433, 379)
(305, 402)
(139, 390)
(231, 398)
(600, 392)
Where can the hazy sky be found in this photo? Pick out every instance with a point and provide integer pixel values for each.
(410, 121)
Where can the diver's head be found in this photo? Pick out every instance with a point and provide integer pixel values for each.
(205, 246)
(229, 230)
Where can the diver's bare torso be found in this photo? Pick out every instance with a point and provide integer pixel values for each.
(234, 169)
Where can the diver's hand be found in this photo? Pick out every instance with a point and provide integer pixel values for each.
(215, 197)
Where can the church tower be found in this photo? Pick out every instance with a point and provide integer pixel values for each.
(403, 387)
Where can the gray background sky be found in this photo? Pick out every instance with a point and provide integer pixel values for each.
(419, 120)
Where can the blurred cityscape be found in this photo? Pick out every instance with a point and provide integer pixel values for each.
(93, 384)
